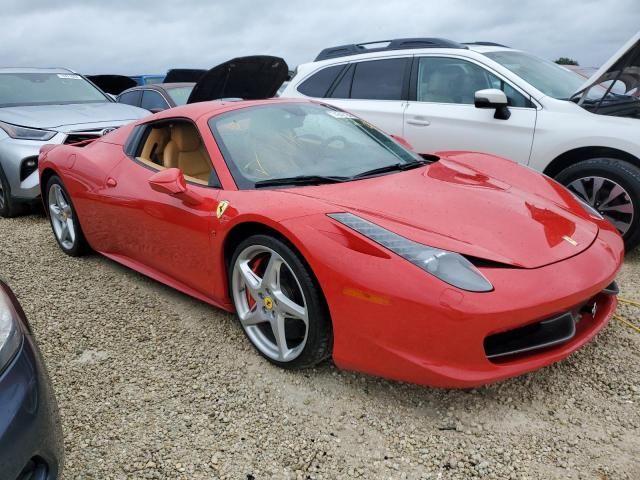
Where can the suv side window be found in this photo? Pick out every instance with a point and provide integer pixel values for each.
(343, 87)
(131, 98)
(151, 99)
(379, 79)
(319, 83)
(453, 80)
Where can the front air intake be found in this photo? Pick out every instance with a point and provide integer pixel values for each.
(535, 336)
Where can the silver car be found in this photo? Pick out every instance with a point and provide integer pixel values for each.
(47, 105)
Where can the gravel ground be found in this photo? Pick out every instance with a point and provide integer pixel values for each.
(154, 384)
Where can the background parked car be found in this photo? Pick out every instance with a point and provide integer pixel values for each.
(252, 77)
(157, 97)
(47, 105)
(148, 79)
(112, 84)
(486, 97)
(31, 445)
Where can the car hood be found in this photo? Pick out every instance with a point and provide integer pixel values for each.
(181, 75)
(249, 78)
(451, 206)
(623, 66)
(53, 116)
(112, 84)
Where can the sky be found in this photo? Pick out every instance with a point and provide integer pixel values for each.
(150, 36)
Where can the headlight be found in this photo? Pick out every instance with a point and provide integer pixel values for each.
(25, 133)
(588, 208)
(450, 267)
(10, 335)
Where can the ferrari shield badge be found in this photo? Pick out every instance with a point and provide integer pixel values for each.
(222, 206)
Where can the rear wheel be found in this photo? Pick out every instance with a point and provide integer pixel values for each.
(279, 304)
(63, 219)
(612, 187)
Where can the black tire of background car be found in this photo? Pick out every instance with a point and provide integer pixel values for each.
(320, 335)
(623, 173)
(8, 207)
(80, 246)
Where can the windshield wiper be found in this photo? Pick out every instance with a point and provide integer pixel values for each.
(391, 168)
(300, 180)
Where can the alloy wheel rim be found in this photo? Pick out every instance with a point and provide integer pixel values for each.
(61, 217)
(270, 303)
(607, 197)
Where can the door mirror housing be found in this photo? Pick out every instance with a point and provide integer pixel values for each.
(157, 110)
(493, 98)
(172, 182)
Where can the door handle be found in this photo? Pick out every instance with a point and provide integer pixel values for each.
(418, 122)
(111, 182)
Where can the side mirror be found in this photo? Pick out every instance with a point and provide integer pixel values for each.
(402, 142)
(493, 98)
(156, 110)
(171, 181)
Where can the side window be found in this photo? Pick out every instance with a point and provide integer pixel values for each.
(153, 100)
(343, 87)
(319, 83)
(177, 144)
(452, 80)
(379, 79)
(131, 98)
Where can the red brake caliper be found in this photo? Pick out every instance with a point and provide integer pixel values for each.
(255, 265)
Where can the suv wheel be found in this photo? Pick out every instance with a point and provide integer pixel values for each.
(612, 187)
(8, 207)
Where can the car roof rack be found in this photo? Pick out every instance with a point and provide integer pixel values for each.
(485, 44)
(385, 45)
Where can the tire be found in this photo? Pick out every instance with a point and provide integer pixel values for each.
(595, 180)
(273, 292)
(63, 218)
(8, 207)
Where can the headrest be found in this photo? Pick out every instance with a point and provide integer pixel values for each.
(185, 137)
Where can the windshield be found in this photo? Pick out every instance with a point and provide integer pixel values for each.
(180, 95)
(18, 89)
(548, 77)
(287, 140)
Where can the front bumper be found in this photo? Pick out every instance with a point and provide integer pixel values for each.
(393, 320)
(12, 155)
(30, 430)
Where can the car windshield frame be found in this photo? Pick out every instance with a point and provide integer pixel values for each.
(100, 97)
(399, 157)
(537, 71)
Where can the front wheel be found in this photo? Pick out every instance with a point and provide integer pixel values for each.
(612, 187)
(63, 219)
(279, 305)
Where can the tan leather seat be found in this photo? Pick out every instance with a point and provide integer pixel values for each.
(186, 152)
(152, 151)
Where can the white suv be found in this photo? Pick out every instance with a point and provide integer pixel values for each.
(441, 95)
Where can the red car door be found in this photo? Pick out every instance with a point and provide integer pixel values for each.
(157, 231)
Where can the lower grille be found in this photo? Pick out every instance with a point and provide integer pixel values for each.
(80, 137)
(545, 333)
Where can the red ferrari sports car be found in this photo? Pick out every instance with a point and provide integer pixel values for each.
(329, 238)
